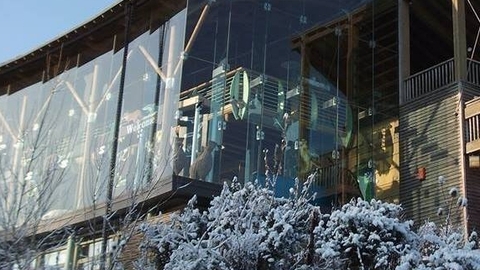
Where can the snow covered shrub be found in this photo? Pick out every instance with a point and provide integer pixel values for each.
(244, 228)
(249, 228)
(163, 238)
(364, 235)
(445, 246)
(288, 230)
(442, 249)
(451, 206)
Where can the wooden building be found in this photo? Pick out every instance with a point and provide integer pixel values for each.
(379, 98)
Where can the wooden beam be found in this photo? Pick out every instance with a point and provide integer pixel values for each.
(459, 39)
(152, 63)
(472, 109)
(317, 32)
(403, 44)
(77, 97)
(472, 146)
(193, 37)
(7, 126)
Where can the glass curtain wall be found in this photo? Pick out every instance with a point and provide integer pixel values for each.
(56, 136)
(292, 88)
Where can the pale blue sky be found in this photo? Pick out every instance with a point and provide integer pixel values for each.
(28, 24)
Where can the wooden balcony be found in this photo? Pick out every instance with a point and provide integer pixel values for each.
(436, 77)
(472, 126)
(472, 111)
(428, 80)
(443, 75)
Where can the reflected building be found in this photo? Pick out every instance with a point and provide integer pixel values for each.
(376, 99)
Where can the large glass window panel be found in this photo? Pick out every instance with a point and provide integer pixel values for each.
(295, 88)
(41, 145)
(55, 260)
(172, 62)
(138, 113)
(57, 132)
(21, 168)
(356, 60)
(100, 125)
(256, 36)
(92, 88)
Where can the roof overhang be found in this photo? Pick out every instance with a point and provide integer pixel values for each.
(85, 42)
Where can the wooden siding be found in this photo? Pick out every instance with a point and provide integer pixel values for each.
(430, 133)
(131, 251)
(472, 182)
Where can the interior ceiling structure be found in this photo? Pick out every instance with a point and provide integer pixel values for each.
(322, 50)
(430, 33)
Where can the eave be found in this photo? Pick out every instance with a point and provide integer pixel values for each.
(85, 43)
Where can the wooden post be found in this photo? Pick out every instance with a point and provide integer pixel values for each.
(460, 62)
(403, 45)
(459, 39)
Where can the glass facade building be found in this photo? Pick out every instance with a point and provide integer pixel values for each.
(373, 98)
(288, 87)
(63, 128)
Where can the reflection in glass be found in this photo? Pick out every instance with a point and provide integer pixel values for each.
(292, 89)
(172, 63)
(286, 88)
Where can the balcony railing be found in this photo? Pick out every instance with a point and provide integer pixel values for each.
(472, 125)
(435, 77)
(206, 91)
(473, 71)
(428, 80)
(333, 177)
